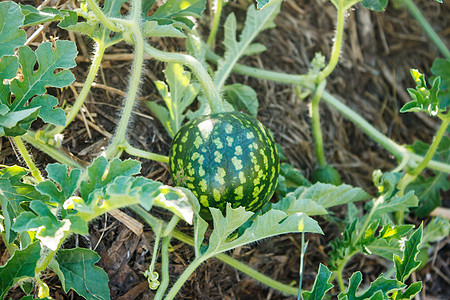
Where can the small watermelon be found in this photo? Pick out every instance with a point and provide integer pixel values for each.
(225, 158)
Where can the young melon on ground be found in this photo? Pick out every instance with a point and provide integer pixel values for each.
(225, 158)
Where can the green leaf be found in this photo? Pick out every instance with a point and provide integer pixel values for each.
(49, 229)
(441, 68)
(256, 22)
(376, 5)
(180, 8)
(396, 203)
(101, 173)
(61, 186)
(273, 222)
(35, 17)
(13, 194)
(410, 292)
(436, 230)
(178, 95)
(321, 285)
(242, 97)
(423, 98)
(53, 65)
(381, 284)
(77, 271)
(265, 3)
(406, 265)
(315, 199)
(11, 37)
(152, 29)
(22, 264)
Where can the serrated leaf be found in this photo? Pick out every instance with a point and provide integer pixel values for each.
(437, 229)
(180, 8)
(410, 292)
(242, 97)
(265, 3)
(101, 173)
(77, 271)
(49, 230)
(273, 222)
(53, 70)
(315, 199)
(67, 183)
(254, 49)
(11, 37)
(408, 264)
(177, 95)
(255, 22)
(321, 285)
(13, 193)
(441, 68)
(35, 17)
(376, 5)
(22, 264)
(381, 284)
(153, 29)
(396, 204)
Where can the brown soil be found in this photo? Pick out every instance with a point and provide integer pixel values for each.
(371, 78)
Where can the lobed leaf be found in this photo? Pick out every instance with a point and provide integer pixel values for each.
(22, 264)
(14, 196)
(77, 271)
(273, 222)
(242, 97)
(11, 19)
(381, 286)
(441, 68)
(406, 265)
(34, 16)
(255, 22)
(376, 5)
(316, 199)
(321, 284)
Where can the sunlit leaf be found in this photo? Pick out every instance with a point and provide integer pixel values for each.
(22, 264)
(407, 264)
(11, 37)
(380, 285)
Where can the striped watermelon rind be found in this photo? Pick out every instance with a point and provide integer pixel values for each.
(225, 158)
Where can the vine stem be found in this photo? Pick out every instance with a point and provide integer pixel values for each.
(215, 24)
(144, 154)
(96, 62)
(411, 176)
(33, 139)
(316, 129)
(417, 14)
(153, 222)
(27, 158)
(209, 88)
(164, 268)
(335, 53)
(115, 148)
(307, 81)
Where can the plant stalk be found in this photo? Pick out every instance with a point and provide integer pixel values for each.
(27, 158)
(209, 88)
(164, 268)
(144, 154)
(31, 138)
(119, 139)
(215, 24)
(335, 53)
(417, 14)
(96, 62)
(317, 131)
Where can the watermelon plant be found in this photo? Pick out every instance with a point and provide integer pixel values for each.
(224, 162)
